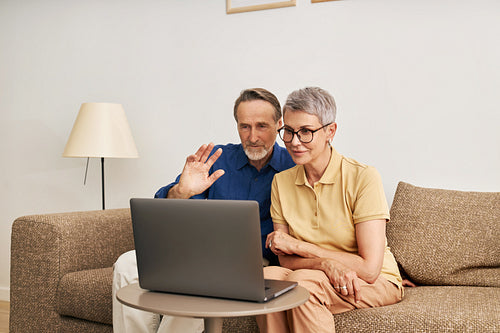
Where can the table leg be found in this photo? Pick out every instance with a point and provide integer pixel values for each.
(213, 325)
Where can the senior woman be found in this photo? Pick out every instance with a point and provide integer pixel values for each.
(329, 214)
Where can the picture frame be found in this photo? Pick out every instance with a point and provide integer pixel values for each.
(241, 6)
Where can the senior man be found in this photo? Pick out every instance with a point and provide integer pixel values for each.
(234, 171)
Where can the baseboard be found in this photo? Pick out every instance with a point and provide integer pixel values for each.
(5, 294)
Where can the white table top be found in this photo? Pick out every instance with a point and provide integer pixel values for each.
(206, 307)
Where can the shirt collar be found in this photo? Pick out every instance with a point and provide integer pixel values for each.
(331, 172)
(274, 162)
(241, 158)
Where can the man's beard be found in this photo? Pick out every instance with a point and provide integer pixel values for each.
(254, 155)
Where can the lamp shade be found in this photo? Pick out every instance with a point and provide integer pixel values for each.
(101, 130)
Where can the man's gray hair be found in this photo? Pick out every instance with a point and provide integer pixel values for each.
(254, 94)
(314, 101)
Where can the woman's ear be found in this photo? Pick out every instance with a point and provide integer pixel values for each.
(332, 129)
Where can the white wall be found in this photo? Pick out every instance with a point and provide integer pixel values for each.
(416, 84)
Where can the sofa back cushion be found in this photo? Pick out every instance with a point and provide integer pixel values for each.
(446, 237)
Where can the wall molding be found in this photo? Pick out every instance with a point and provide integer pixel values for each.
(5, 294)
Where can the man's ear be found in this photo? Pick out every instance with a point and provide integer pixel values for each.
(280, 123)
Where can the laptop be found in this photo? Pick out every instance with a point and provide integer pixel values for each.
(203, 248)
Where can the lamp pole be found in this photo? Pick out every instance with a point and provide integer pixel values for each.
(102, 181)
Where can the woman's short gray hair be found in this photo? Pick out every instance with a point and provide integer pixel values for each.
(312, 100)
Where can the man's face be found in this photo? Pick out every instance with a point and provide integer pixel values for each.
(257, 129)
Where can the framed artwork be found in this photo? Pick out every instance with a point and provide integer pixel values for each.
(240, 6)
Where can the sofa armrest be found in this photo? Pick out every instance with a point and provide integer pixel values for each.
(46, 247)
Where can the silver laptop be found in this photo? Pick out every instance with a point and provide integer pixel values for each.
(202, 247)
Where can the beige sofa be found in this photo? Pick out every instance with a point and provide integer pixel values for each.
(448, 242)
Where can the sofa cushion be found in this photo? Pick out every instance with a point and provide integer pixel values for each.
(86, 295)
(446, 237)
(429, 309)
(423, 309)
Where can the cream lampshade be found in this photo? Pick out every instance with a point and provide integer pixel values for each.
(101, 130)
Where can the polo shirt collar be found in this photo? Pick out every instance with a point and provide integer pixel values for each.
(331, 172)
(274, 162)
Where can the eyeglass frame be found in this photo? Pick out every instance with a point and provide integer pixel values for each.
(297, 133)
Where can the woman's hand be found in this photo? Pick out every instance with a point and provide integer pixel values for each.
(281, 243)
(344, 280)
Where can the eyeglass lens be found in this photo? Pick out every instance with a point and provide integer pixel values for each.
(304, 135)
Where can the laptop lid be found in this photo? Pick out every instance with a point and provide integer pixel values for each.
(201, 247)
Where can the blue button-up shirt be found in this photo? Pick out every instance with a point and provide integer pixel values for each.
(242, 181)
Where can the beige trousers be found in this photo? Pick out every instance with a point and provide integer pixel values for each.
(316, 314)
(130, 320)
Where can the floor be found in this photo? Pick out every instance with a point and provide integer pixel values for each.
(4, 317)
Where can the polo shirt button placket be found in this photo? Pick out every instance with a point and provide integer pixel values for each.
(316, 201)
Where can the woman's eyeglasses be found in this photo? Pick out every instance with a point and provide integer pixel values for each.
(304, 135)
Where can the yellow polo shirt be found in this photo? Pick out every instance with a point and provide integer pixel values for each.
(348, 193)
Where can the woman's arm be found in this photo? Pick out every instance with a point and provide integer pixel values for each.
(370, 236)
(343, 279)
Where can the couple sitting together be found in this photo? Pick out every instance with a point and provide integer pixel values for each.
(322, 214)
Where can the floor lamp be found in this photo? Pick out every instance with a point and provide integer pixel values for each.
(101, 130)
